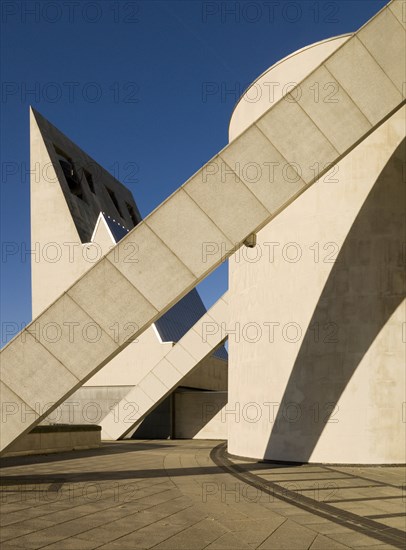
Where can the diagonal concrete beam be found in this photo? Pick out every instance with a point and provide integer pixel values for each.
(204, 222)
(198, 343)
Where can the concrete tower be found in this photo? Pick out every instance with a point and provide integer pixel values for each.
(317, 366)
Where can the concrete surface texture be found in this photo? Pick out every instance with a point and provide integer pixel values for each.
(200, 415)
(164, 376)
(56, 439)
(68, 191)
(220, 207)
(318, 362)
(189, 495)
(56, 266)
(277, 81)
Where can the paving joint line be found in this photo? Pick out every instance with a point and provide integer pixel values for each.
(347, 519)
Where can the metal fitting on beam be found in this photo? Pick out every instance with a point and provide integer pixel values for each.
(251, 240)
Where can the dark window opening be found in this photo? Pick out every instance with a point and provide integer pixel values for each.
(68, 169)
(115, 201)
(132, 213)
(89, 179)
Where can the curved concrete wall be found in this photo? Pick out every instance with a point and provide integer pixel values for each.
(317, 361)
(316, 347)
(279, 80)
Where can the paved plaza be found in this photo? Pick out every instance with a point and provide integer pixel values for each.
(190, 495)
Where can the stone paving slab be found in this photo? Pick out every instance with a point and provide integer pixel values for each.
(174, 495)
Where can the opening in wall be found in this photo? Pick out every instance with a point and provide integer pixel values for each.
(131, 211)
(71, 176)
(89, 179)
(115, 201)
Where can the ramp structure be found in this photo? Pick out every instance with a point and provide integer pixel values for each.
(198, 343)
(205, 221)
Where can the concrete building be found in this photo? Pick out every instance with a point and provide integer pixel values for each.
(320, 373)
(89, 211)
(312, 183)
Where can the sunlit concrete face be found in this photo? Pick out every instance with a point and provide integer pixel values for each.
(202, 222)
(317, 362)
(278, 81)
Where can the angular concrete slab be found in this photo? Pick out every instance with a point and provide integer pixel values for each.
(127, 412)
(33, 373)
(332, 109)
(136, 259)
(283, 124)
(218, 190)
(381, 38)
(71, 207)
(168, 372)
(153, 386)
(363, 79)
(181, 359)
(398, 8)
(73, 337)
(208, 332)
(266, 173)
(111, 300)
(198, 346)
(16, 415)
(187, 230)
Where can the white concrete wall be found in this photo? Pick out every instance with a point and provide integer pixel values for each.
(322, 293)
(279, 80)
(198, 415)
(54, 266)
(332, 282)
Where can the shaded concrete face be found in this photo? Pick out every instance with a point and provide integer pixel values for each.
(211, 375)
(185, 414)
(55, 439)
(175, 368)
(198, 415)
(68, 190)
(362, 303)
(325, 381)
(182, 240)
(87, 187)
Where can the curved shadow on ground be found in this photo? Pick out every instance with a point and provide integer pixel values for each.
(78, 454)
(364, 288)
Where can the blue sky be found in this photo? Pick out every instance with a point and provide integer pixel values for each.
(129, 83)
